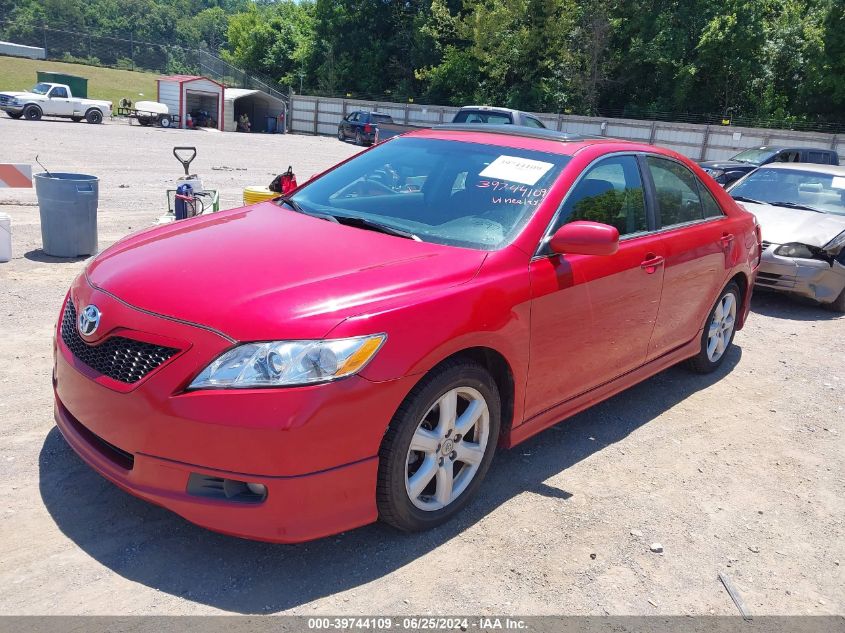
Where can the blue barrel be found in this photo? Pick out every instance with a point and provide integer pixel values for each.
(271, 125)
(67, 204)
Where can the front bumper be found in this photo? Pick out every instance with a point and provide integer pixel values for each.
(12, 109)
(314, 448)
(814, 279)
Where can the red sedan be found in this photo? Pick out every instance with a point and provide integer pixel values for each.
(358, 350)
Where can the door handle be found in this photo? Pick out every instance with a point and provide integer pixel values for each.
(651, 262)
(727, 240)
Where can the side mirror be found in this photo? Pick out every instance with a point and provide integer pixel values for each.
(585, 238)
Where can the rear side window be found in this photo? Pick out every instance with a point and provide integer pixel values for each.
(819, 157)
(381, 118)
(677, 192)
(708, 202)
(611, 192)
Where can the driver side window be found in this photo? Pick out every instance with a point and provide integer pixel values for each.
(611, 192)
(58, 93)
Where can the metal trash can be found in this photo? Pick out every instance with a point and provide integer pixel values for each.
(68, 207)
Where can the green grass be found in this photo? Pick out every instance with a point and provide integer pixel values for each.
(103, 83)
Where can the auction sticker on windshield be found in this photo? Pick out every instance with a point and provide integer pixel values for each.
(516, 169)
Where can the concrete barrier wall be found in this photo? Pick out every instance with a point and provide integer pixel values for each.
(19, 50)
(321, 115)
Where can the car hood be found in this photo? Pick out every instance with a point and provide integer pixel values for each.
(726, 165)
(18, 95)
(780, 225)
(264, 272)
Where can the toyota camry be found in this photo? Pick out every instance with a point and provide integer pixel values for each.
(359, 349)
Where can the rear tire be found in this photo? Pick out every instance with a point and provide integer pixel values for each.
(719, 331)
(359, 140)
(94, 116)
(164, 120)
(32, 113)
(838, 304)
(452, 416)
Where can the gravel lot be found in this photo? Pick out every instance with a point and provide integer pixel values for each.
(739, 472)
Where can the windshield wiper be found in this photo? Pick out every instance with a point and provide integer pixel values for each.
(376, 226)
(796, 205)
(752, 200)
(293, 204)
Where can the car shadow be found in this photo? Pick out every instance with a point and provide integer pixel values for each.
(152, 546)
(784, 306)
(38, 255)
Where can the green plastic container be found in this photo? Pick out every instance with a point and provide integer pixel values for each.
(78, 85)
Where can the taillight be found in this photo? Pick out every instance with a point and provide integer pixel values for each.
(368, 128)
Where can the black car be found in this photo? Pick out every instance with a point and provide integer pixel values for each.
(361, 126)
(727, 171)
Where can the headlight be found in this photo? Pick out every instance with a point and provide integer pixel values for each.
(287, 363)
(16, 101)
(795, 250)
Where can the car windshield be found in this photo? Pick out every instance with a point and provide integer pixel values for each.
(794, 188)
(446, 192)
(754, 156)
(41, 89)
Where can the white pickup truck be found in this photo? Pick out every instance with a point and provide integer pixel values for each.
(47, 99)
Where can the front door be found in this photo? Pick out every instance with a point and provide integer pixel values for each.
(60, 102)
(592, 316)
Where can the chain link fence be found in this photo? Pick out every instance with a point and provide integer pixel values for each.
(125, 52)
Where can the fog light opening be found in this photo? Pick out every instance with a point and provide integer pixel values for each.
(232, 490)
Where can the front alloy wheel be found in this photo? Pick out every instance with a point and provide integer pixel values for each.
(438, 446)
(447, 448)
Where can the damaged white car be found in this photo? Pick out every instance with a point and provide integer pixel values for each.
(801, 211)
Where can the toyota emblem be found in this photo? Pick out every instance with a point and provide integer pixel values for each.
(89, 320)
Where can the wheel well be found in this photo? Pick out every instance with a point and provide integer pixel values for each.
(500, 370)
(741, 281)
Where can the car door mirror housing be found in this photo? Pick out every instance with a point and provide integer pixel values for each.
(585, 238)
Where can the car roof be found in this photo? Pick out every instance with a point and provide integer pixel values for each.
(834, 170)
(524, 137)
(788, 148)
(487, 108)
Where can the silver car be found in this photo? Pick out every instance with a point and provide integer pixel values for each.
(801, 211)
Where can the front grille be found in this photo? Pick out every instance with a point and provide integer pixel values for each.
(119, 358)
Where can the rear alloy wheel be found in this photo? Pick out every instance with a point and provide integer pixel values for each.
(164, 120)
(359, 140)
(32, 113)
(438, 447)
(94, 116)
(719, 332)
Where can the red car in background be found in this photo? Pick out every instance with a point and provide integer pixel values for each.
(357, 350)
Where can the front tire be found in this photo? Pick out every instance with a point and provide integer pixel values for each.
(15, 115)
(76, 119)
(94, 116)
(340, 134)
(719, 331)
(438, 447)
(32, 113)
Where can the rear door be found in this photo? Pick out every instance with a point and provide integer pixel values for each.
(592, 316)
(699, 247)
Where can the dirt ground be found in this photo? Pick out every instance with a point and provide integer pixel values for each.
(740, 471)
